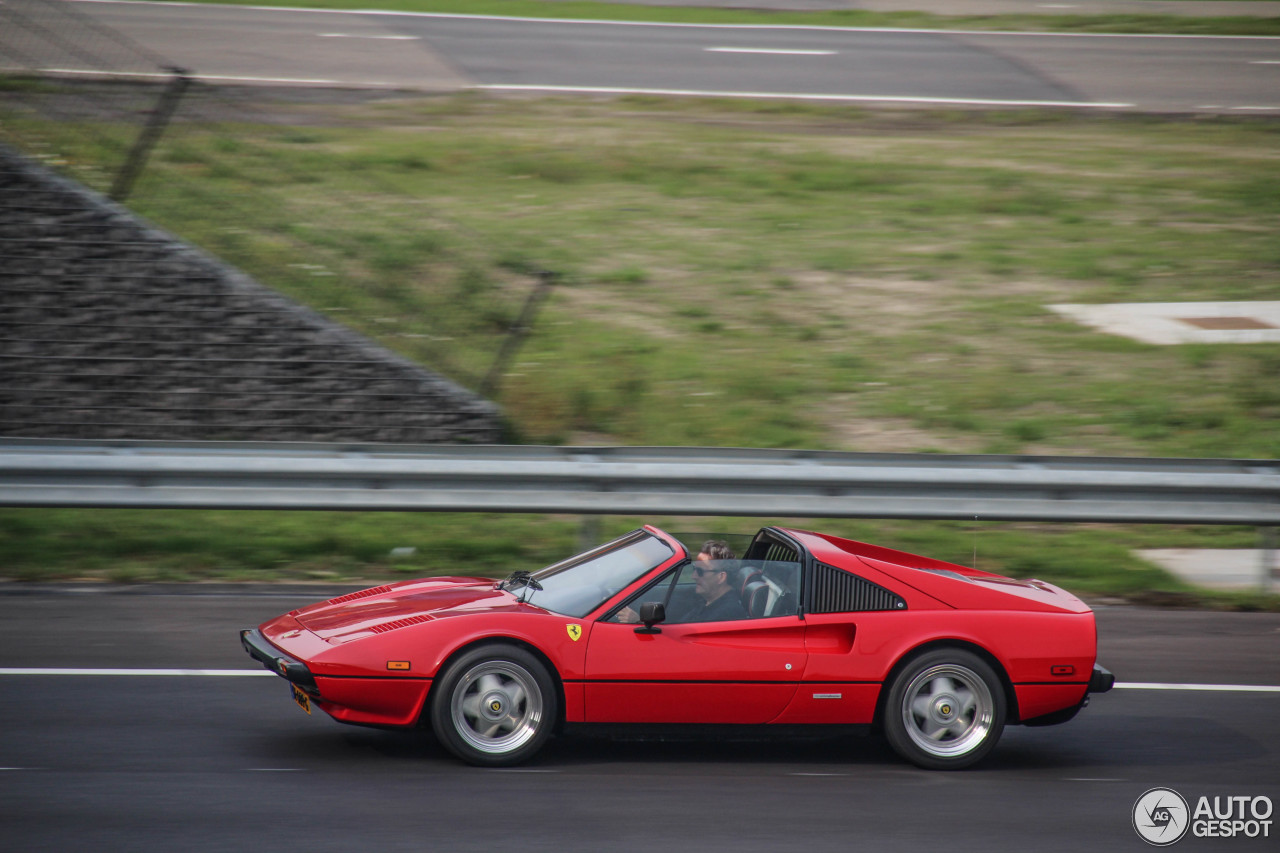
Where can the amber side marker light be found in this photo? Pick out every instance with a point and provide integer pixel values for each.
(398, 665)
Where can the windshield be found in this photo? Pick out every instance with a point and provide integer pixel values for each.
(580, 584)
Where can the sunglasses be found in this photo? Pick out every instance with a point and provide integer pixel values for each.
(700, 570)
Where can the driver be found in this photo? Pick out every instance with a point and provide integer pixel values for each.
(711, 578)
(716, 600)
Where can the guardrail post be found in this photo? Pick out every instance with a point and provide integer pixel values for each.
(589, 532)
(151, 133)
(1270, 573)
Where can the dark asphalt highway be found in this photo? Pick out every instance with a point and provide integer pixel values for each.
(451, 52)
(222, 762)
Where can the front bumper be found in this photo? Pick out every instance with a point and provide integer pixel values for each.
(1101, 681)
(282, 664)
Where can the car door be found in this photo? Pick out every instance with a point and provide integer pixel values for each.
(741, 671)
(848, 619)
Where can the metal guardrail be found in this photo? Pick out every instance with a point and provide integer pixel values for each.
(637, 481)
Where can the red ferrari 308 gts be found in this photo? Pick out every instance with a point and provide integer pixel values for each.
(802, 629)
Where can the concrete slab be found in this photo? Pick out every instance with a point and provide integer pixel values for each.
(1182, 322)
(1217, 568)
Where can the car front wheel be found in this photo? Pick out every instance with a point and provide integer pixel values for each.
(494, 706)
(945, 710)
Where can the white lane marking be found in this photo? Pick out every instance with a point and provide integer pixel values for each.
(673, 24)
(382, 38)
(205, 673)
(275, 769)
(307, 81)
(885, 99)
(1256, 109)
(770, 51)
(1215, 688)
(1265, 62)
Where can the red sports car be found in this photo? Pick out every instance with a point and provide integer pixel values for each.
(799, 629)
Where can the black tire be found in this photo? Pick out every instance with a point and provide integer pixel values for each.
(945, 710)
(494, 706)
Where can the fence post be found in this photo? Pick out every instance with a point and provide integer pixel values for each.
(520, 331)
(151, 133)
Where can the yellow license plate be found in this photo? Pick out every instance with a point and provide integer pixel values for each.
(303, 700)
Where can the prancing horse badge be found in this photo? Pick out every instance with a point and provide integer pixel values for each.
(575, 632)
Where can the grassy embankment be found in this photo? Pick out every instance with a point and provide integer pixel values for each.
(736, 274)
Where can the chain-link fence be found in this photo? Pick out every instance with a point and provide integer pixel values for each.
(218, 167)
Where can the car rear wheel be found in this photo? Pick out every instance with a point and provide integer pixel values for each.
(945, 710)
(494, 706)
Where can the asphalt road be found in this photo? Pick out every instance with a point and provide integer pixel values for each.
(222, 762)
(449, 53)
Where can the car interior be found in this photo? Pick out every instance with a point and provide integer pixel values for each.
(766, 578)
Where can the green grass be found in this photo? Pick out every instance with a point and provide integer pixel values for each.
(136, 546)
(180, 545)
(739, 274)
(1128, 23)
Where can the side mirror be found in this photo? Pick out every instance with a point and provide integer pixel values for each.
(651, 613)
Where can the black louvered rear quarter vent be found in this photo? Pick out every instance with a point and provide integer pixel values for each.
(837, 591)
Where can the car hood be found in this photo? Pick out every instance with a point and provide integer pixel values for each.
(399, 605)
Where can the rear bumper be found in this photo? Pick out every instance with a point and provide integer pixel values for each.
(1102, 680)
(1099, 682)
(282, 664)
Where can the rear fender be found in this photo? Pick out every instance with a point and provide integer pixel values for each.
(1011, 697)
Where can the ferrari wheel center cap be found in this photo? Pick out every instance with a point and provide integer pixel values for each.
(944, 708)
(494, 704)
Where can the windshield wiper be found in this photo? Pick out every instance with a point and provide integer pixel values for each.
(522, 579)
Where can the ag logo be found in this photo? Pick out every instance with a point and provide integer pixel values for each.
(1161, 816)
(575, 632)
